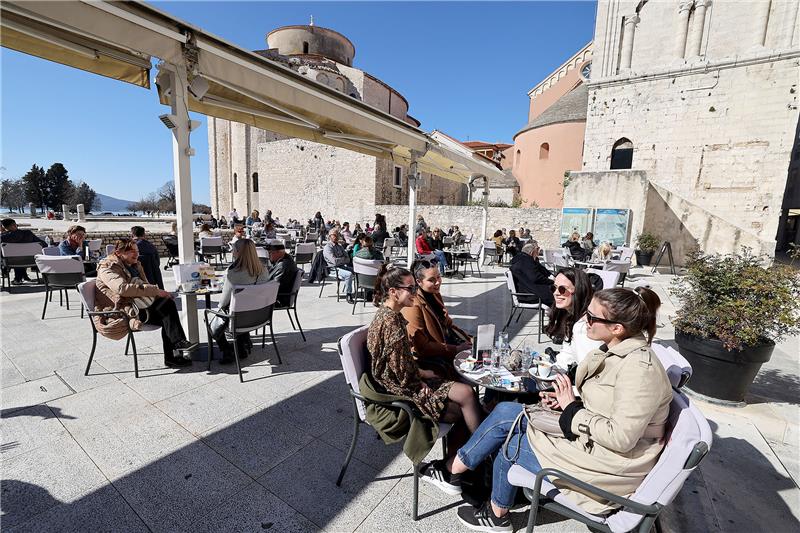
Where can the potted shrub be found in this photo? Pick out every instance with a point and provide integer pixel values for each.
(646, 246)
(734, 308)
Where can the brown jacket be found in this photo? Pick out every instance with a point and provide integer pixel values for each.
(625, 392)
(116, 290)
(426, 333)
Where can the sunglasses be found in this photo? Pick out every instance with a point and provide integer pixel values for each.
(560, 289)
(411, 288)
(591, 319)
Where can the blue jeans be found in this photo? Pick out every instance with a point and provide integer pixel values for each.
(442, 260)
(347, 277)
(489, 438)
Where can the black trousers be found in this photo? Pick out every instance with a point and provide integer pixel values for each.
(164, 313)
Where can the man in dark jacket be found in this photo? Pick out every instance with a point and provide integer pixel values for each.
(283, 270)
(12, 234)
(530, 276)
(148, 257)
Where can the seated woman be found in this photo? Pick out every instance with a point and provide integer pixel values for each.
(498, 240)
(246, 269)
(572, 292)
(602, 252)
(367, 249)
(393, 367)
(611, 437)
(435, 338)
(424, 248)
(512, 243)
(205, 231)
(588, 243)
(575, 247)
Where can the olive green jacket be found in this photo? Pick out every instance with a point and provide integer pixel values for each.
(393, 424)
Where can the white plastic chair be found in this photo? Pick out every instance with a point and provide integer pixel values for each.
(213, 247)
(51, 250)
(610, 278)
(623, 267)
(677, 367)
(304, 253)
(355, 358)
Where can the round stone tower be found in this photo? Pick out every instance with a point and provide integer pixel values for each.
(312, 40)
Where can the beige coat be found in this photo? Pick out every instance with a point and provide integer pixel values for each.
(625, 391)
(116, 289)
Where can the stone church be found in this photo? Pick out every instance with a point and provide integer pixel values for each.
(692, 121)
(255, 169)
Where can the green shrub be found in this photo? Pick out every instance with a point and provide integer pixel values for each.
(739, 299)
(647, 243)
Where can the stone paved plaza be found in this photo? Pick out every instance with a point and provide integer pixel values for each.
(194, 450)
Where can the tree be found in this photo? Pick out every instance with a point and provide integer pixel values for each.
(166, 197)
(59, 188)
(12, 194)
(36, 190)
(85, 195)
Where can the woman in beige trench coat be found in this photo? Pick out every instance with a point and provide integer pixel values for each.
(610, 437)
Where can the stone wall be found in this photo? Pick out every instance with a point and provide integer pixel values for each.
(714, 128)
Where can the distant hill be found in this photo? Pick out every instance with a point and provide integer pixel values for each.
(109, 203)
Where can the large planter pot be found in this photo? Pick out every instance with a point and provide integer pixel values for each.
(643, 258)
(720, 373)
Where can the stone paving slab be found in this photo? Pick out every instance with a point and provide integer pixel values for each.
(34, 392)
(44, 477)
(24, 430)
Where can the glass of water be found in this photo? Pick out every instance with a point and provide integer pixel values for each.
(528, 354)
(502, 339)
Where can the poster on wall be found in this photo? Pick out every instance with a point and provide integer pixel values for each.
(612, 225)
(575, 219)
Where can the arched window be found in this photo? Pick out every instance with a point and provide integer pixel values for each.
(305, 47)
(518, 157)
(544, 151)
(235, 182)
(255, 181)
(622, 154)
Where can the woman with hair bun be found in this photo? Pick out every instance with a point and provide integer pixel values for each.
(394, 368)
(610, 437)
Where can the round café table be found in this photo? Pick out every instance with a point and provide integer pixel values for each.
(522, 391)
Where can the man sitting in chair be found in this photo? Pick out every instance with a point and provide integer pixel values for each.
(336, 256)
(122, 284)
(12, 234)
(283, 270)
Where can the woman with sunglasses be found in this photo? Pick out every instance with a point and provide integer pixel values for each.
(611, 437)
(435, 338)
(394, 368)
(572, 292)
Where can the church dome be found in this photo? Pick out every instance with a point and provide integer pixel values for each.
(312, 40)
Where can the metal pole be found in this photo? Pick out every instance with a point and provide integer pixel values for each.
(485, 213)
(412, 207)
(181, 151)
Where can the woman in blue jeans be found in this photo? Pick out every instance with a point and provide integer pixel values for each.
(610, 437)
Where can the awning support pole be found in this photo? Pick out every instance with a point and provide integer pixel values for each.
(485, 214)
(413, 177)
(181, 167)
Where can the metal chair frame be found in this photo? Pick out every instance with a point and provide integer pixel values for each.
(412, 413)
(62, 281)
(517, 306)
(15, 261)
(293, 305)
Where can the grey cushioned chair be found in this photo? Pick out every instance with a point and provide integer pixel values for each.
(250, 310)
(60, 273)
(18, 255)
(212, 247)
(292, 304)
(365, 272)
(304, 253)
(355, 361)
(86, 290)
(688, 440)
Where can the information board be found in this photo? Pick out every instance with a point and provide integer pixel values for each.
(611, 225)
(575, 219)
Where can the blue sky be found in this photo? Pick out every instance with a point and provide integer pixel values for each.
(465, 68)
